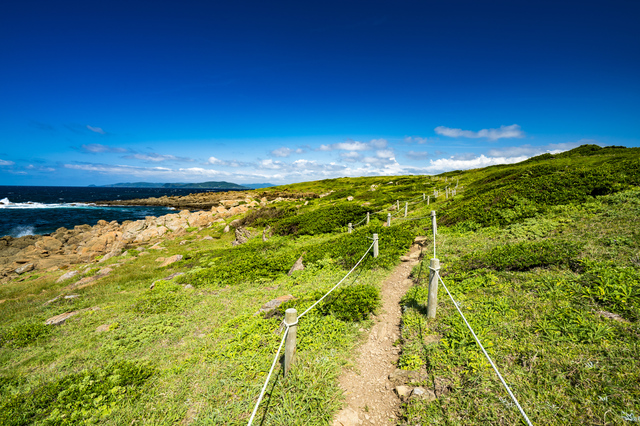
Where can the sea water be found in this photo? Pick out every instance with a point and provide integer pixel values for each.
(36, 210)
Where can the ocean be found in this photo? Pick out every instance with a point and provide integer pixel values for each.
(37, 210)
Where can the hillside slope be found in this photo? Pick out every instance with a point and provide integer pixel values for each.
(541, 255)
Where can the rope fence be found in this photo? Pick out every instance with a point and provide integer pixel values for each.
(291, 320)
(435, 272)
(291, 349)
(432, 302)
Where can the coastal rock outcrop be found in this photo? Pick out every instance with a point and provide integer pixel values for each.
(105, 240)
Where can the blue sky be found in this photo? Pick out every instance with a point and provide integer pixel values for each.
(280, 92)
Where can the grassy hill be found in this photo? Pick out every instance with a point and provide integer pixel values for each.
(542, 257)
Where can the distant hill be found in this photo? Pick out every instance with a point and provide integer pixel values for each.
(201, 185)
(258, 185)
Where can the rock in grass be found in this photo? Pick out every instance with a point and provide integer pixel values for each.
(24, 268)
(242, 236)
(403, 391)
(423, 394)
(66, 276)
(298, 266)
(172, 259)
(60, 319)
(274, 303)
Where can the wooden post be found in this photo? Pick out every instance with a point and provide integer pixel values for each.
(397, 204)
(428, 199)
(434, 224)
(406, 207)
(388, 219)
(290, 317)
(375, 245)
(432, 301)
(423, 197)
(367, 218)
(350, 227)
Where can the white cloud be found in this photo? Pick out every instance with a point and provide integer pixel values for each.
(96, 130)
(96, 148)
(417, 155)
(350, 145)
(6, 163)
(233, 163)
(282, 152)
(417, 139)
(156, 158)
(350, 156)
(445, 164)
(270, 164)
(512, 131)
(385, 153)
(531, 151)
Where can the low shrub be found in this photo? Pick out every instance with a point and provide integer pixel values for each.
(86, 397)
(613, 287)
(22, 335)
(164, 297)
(266, 216)
(352, 303)
(321, 221)
(524, 256)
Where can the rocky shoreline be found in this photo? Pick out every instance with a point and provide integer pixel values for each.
(85, 243)
(208, 200)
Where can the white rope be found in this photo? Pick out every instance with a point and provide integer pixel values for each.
(483, 350)
(273, 365)
(336, 286)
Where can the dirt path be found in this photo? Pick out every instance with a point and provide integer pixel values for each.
(370, 396)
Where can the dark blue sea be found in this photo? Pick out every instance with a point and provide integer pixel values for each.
(32, 210)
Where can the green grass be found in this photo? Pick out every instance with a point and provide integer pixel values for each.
(534, 274)
(536, 300)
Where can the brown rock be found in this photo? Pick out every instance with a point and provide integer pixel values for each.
(24, 268)
(49, 244)
(403, 391)
(274, 303)
(67, 276)
(242, 236)
(423, 394)
(172, 259)
(298, 266)
(200, 219)
(60, 319)
(103, 328)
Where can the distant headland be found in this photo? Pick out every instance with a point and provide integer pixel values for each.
(227, 186)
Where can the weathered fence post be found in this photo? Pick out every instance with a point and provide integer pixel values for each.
(375, 245)
(290, 317)
(388, 219)
(350, 227)
(397, 204)
(423, 197)
(433, 223)
(432, 301)
(428, 199)
(367, 218)
(406, 207)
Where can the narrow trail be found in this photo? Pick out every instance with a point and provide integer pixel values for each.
(370, 396)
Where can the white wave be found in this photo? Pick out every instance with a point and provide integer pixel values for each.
(6, 204)
(23, 231)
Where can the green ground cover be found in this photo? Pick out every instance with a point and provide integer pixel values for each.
(540, 277)
(556, 302)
